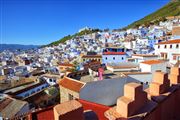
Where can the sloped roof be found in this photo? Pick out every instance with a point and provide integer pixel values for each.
(71, 84)
(151, 62)
(169, 42)
(66, 64)
(145, 55)
(10, 107)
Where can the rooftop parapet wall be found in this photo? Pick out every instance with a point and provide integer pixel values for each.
(163, 103)
(174, 75)
(160, 83)
(134, 98)
(70, 110)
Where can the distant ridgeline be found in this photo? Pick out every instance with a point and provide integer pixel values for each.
(68, 37)
(171, 9)
(13, 47)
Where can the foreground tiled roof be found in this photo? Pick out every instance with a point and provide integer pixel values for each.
(45, 114)
(71, 84)
(114, 53)
(151, 62)
(97, 108)
(170, 42)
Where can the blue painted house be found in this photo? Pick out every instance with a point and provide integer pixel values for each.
(113, 55)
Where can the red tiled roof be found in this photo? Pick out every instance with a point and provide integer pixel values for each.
(151, 62)
(97, 108)
(66, 64)
(45, 114)
(114, 53)
(169, 42)
(4, 103)
(71, 84)
(92, 56)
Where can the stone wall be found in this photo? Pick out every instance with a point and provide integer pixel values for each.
(64, 94)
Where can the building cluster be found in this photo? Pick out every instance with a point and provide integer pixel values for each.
(131, 74)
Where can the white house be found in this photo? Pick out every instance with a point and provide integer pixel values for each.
(169, 50)
(152, 66)
(143, 57)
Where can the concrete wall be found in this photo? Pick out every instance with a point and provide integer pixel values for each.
(64, 94)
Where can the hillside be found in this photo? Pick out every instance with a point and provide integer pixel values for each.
(171, 9)
(68, 37)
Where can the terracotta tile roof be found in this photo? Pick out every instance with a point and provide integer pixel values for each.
(169, 42)
(4, 103)
(145, 55)
(47, 113)
(70, 84)
(92, 56)
(151, 62)
(44, 114)
(114, 53)
(66, 64)
(97, 108)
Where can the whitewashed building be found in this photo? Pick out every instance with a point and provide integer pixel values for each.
(169, 50)
(152, 66)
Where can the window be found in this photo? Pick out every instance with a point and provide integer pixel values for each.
(50, 80)
(165, 46)
(106, 58)
(170, 46)
(26, 95)
(122, 58)
(99, 60)
(177, 46)
(113, 58)
(70, 97)
(32, 92)
(174, 57)
(158, 46)
(83, 59)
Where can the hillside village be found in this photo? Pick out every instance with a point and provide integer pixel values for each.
(94, 72)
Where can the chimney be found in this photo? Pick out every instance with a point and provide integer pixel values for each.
(160, 83)
(69, 111)
(174, 75)
(133, 100)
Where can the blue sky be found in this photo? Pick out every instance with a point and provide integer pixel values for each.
(40, 22)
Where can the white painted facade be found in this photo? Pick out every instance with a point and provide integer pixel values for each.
(166, 51)
(153, 67)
